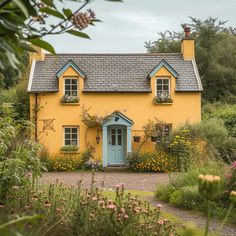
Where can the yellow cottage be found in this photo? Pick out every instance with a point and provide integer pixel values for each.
(128, 88)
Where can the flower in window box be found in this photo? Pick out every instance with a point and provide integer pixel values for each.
(136, 138)
(162, 98)
(69, 99)
(69, 148)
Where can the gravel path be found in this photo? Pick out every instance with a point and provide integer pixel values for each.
(196, 218)
(132, 181)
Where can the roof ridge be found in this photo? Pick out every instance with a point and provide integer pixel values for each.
(112, 54)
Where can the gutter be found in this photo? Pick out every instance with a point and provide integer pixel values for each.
(36, 118)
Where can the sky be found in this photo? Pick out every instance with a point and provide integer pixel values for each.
(127, 25)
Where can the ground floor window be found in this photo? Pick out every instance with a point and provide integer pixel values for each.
(163, 131)
(71, 135)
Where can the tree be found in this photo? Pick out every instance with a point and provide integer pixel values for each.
(215, 46)
(25, 22)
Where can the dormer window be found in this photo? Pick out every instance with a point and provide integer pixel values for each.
(70, 94)
(162, 91)
(163, 87)
(71, 87)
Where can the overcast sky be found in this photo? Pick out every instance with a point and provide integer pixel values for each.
(127, 25)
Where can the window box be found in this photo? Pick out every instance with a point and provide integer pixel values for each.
(69, 100)
(159, 100)
(69, 149)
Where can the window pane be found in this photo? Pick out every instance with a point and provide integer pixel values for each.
(74, 81)
(67, 81)
(159, 87)
(74, 93)
(67, 87)
(67, 130)
(74, 87)
(119, 139)
(113, 139)
(165, 81)
(74, 142)
(74, 136)
(119, 131)
(74, 130)
(165, 87)
(113, 131)
(67, 142)
(159, 81)
(67, 136)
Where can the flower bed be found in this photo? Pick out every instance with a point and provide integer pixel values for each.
(157, 161)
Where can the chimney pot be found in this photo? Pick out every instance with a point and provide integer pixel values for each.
(187, 31)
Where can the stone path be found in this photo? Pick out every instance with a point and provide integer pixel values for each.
(136, 181)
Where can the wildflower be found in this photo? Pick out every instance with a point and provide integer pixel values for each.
(94, 198)
(161, 222)
(209, 186)
(58, 210)
(28, 175)
(126, 216)
(15, 187)
(159, 206)
(233, 196)
(47, 204)
(122, 209)
(2, 206)
(111, 206)
(228, 176)
(234, 165)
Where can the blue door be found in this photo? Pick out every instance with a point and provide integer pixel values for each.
(116, 145)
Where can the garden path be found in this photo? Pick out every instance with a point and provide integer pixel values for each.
(131, 181)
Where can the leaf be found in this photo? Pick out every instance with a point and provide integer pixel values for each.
(67, 12)
(27, 47)
(78, 34)
(42, 44)
(49, 3)
(52, 12)
(22, 7)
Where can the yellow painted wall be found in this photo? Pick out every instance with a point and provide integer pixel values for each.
(188, 49)
(137, 106)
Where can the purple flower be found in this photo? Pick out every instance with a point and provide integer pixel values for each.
(234, 165)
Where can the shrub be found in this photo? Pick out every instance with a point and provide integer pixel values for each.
(225, 112)
(64, 162)
(163, 192)
(157, 161)
(230, 178)
(176, 198)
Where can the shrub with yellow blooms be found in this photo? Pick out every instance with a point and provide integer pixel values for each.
(64, 162)
(156, 161)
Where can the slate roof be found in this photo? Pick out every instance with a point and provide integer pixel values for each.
(114, 72)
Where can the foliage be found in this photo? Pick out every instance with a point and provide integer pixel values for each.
(71, 211)
(69, 99)
(25, 22)
(230, 178)
(157, 161)
(215, 44)
(164, 99)
(181, 147)
(63, 162)
(93, 164)
(225, 112)
(91, 121)
(70, 148)
(18, 154)
(182, 189)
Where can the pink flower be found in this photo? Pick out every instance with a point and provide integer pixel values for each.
(159, 206)
(117, 186)
(94, 198)
(28, 175)
(2, 206)
(234, 165)
(111, 206)
(122, 210)
(228, 176)
(161, 222)
(126, 216)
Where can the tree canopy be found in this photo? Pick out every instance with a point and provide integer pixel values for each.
(215, 46)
